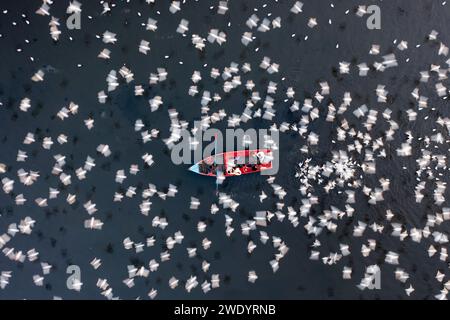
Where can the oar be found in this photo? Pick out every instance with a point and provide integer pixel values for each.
(217, 172)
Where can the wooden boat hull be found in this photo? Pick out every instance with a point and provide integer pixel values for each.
(234, 163)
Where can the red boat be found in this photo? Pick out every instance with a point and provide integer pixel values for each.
(234, 163)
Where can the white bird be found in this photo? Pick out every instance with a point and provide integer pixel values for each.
(215, 35)
(264, 25)
(25, 104)
(54, 30)
(297, 7)
(46, 268)
(106, 8)
(38, 76)
(109, 37)
(222, 8)
(96, 263)
(252, 22)
(173, 282)
(151, 24)
(262, 196)
(93, 223)
(144, 47)
(409, 290)
(174, 7)
(38, 280)
(44, 9)
(148, 159)
(195, 203)
(74, 7)
(183, 26)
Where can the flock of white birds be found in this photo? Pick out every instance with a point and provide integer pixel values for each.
(357, 153)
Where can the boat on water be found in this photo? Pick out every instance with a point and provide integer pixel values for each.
(234, 163)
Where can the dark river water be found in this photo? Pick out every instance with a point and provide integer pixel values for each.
(59, 235)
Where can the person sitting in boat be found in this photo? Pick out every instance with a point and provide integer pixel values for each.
(233, 170)
(236, 171)
(252, 167)
(203, 167)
